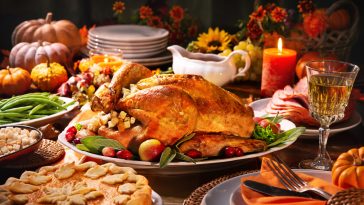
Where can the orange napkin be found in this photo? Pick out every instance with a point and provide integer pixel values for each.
(266, 176)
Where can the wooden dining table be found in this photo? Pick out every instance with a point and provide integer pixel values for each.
(175, 188)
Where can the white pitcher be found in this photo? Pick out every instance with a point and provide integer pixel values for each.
(214, 68)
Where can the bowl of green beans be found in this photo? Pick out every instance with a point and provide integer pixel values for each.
(34, 109)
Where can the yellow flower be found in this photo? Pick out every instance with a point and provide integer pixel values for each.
(213, 40)
(118, 7)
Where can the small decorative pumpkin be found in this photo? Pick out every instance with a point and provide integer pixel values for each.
(62, 31)
(310, 56)
(14, 81)
(314, 24)
(49, 76)
(27, 55)
(339, 19)
(348, 170)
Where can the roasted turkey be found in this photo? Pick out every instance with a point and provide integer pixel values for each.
(168, 107)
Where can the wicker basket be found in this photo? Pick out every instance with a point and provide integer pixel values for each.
(337, 42)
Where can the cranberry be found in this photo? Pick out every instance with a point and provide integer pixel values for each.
(238, 152)
(108, 152)
(72, 130)
(77, 141)
(70, 136)
(229, 151)
(194, 153)
(124, 154)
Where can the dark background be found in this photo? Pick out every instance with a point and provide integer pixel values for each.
(224, 14)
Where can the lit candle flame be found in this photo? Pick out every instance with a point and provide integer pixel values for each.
(280, 45)
(106, 59)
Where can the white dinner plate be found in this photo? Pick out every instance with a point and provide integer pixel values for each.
(48, 119)
(175, 168)
(134, 50)
(311, 132)
(129, 45)
(133, 55)
(128, 33)
(228, 192)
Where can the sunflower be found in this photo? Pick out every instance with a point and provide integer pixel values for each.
(213, 40)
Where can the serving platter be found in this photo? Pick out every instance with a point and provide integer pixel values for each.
(228, 192)
(176, 168)
(48, 119)
(311, 132)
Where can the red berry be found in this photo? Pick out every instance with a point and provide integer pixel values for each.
(193, 153)
(108, 152)
(70, 136)
(124, 154)
(72, 129)
(229, 151)
(77, 141)
(239, 152)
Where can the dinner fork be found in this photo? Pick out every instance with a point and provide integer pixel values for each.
(291, 180)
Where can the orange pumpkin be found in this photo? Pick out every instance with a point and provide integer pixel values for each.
(14, 81)
(27, 55)
(310, 56)
(348, 170)
(62, 31)
(339, 20)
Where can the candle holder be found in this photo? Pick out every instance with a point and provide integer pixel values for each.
(105, 60)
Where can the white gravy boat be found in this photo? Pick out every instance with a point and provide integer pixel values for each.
(214, 68)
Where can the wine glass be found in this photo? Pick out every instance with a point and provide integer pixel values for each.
(329, 87)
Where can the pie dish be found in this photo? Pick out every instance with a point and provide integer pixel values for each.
(87, 183)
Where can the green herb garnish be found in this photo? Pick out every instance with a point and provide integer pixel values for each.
(96, 143)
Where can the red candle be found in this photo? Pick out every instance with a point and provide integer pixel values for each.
(278, 69)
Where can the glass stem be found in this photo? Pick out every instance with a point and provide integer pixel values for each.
(324, 132)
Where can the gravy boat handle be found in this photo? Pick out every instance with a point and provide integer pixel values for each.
(244, 55)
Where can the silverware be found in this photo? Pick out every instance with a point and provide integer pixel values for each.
(291, 180)
(272, 190)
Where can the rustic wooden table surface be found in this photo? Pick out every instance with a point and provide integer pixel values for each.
(175, 188)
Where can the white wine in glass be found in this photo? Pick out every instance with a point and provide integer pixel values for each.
(329, 88)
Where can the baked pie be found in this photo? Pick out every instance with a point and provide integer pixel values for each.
(78, 184)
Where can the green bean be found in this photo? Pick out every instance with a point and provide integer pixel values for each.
(36, 108)
(31, 100)
(19, 109)
(11, 114)
(69, 103)
(48, 112)
(20, 97)
(36, 116)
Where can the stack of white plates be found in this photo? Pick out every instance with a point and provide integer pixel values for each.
(140, 44)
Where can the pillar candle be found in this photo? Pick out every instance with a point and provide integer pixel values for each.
(278, 69)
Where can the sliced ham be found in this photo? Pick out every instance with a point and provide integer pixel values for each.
(292, 104)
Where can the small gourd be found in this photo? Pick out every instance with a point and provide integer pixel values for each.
(14, 81)
(348, 169)
(49, 76)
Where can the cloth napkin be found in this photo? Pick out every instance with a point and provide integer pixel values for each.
(267, 177)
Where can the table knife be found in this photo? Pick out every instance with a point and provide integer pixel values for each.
(272, 190)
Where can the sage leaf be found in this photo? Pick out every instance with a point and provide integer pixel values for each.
(82, 147)
(96, 143)
(184, 157)
(184, 139)
(288, 135)
(167, 156)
